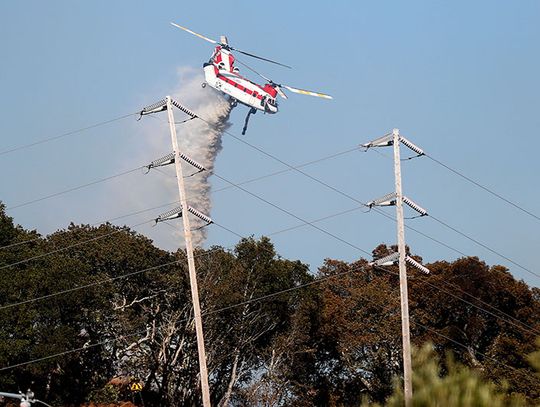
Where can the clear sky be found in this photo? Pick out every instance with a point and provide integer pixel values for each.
(459, 79)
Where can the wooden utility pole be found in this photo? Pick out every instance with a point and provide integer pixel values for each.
(405, 330)
(191, 262)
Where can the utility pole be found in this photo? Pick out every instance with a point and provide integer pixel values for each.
(396, 198)
(405, 331)
(191, 261)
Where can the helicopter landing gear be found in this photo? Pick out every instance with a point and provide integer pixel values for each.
(203, 85)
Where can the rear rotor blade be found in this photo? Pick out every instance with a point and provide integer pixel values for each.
(281, 93)
(258, 57)
(307, 92)
(194, 33)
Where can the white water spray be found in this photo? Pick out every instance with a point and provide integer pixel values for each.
(200, 140)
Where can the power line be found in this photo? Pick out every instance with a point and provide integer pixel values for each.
(471, 238)
(207, 253)
(356, 247)
(484, 246)
(71, 246)
(74, 188)
(70, 133)
(321, 182)
(490, 191)
(525, 326)
(318, 160)
(253, 300)
(262, 298)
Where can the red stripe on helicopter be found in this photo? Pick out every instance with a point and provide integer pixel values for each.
(237, 85)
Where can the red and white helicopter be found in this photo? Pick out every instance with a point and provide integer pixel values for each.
(221, 74)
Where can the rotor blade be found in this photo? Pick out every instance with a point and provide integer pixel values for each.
(194, 33)
(281, 93)
(307, 92)
(253, 70)
(258, 57)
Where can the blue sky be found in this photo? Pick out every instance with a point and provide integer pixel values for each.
(460, 79)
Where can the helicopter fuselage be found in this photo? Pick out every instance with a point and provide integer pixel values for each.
(221, 74)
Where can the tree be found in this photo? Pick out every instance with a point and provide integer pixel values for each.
(454, 386)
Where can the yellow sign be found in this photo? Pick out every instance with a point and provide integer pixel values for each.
(137, 386)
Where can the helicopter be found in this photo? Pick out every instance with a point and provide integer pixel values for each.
(221, 74)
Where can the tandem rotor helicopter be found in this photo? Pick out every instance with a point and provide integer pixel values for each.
(221, 74)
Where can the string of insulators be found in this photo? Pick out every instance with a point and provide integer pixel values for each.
(156, 107)
(386, 200)
(177, 213)
(417, 265)
(170, 159)
(160, 162)
(172, 214)
(183, 109)
(386, 260)
(384, 141)
(412, 146)
(414, 206)
(393, 258)
(200, 215)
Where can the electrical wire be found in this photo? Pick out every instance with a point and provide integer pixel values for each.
(39, 256)
(321, 182)
(72, 189)
(70, 133)
(318, 160)
(469, 237)
(131, 274)
(484, 246)
(139, 332)
(488, 190)
(253, 300)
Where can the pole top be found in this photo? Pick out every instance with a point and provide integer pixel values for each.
(395, 132)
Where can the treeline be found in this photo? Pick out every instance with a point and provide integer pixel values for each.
(112, 310)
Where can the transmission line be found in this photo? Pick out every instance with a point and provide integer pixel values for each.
(69, 133)
(488, 190)
(340, 153)
(74, 188)
(122, 229)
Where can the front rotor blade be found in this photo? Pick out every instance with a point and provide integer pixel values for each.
(258, 57)
(308, 92)
(194, 33)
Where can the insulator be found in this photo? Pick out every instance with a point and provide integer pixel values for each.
(384, 141)
(417, 265)
(160, 162)
(386, 260)
(200, 215)
(414, 206)
(412, 146)
(156, 107)
(172, 214)
(387, 200)
(192, 162)
(183, 109)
